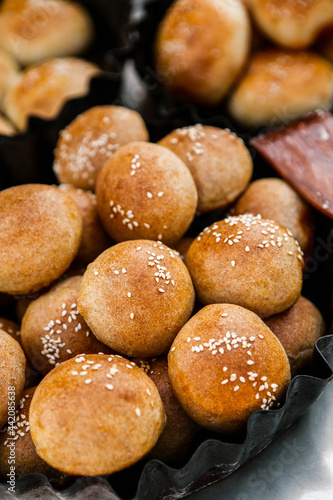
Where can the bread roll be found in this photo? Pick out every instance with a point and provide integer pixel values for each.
(91, 139)
(224, 364)
(249, 261)
(95, 414)
(136, 296)
(36, 30)
(200, 48)
(40, 233)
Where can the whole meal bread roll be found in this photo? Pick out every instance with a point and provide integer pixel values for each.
(17, 448)
(201, 47)
(91, 139)
(53, 330)
(136, 296)
(95, 414)
(249, 261)
(275, 199)
(36, 30)
(224, 364)
(12, 375)
(145, 191)
(40, 233)
(292, 23)
(42, 89)
(279, 86)
(298, 329)
(218, 160)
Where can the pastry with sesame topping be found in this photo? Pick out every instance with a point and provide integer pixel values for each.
(298, 329)
(249, 261)
(279, 86)
(40, 233)
(42, 89)
(201, 47)
(219, 161)
(275, 199)
(53, 330)
(94, 237)
(180, 430)
(12, 374)
(145, 191)
(17, 436)
(99, 427)
(13, 329)
(136, 296)
(91, 139)
(231, 366)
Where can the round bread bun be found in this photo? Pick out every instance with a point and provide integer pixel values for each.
(13, 329)
(16, 446)
(146, 191)
(219, 162)
(9, 70)
(53, 330)
(40, 233)
(280, 86)
(178, 434)
(91, 139)
(292, 23)
(136, 296)
(201, 47)
(95, 414)
(38, 30)
(6, 128)
(275, 199)
(94, 237)
(224, 364)
(249, 261)
(298, 329)
(42, 90)
(12, 375)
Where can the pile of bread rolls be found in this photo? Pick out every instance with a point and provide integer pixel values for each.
(140, 331)
(269, 61)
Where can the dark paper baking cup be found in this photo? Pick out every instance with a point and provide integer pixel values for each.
(213, 460)
(27, 157)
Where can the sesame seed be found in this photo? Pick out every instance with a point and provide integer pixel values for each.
(138, 411)
(132, 315)
(250, 362)
(109, 386)
(236, 388)
(129, 294)
(88, 381)
(149, 195)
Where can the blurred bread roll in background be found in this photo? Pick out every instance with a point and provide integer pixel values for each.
(9, 69)
(201, 47)
(279, 86)
(34, 30)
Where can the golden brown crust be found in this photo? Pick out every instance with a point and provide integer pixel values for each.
(91, 139)
(53, 330)
(248, 261)
(298, 329)
(13, 329)
(136, 296)
(34, 31)
(219, 162)
(41, 90)
(279, 86)
(179, 431)
(40, 232)
(275, 199)
(12, 374)
(100, 426)
(292, 23)
(146, 191)
(17, 448)
(201, 47)
(94, 237)
(220, 386)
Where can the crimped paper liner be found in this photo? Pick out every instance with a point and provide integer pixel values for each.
(214, 459)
